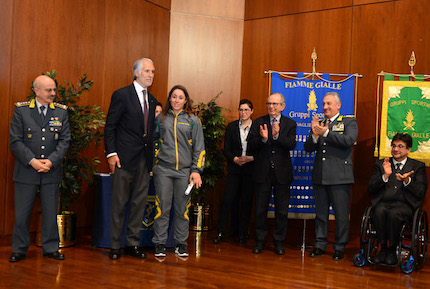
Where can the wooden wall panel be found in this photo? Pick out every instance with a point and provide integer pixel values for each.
(219, 8)
(135, 29)
(383, 39)
(364, 2)
(102, 38)
(206, 57)
(6, 8)
(39, 44)
(269, 8)
(162, 3)
(363, 38)
(286, 43)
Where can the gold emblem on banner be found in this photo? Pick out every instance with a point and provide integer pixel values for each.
(409, 123)
(312, 105)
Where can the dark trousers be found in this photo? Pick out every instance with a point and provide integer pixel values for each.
(128, 186)
(25, 195)
(339, 196)
(238, 187)
(262, 198)
(388, 218)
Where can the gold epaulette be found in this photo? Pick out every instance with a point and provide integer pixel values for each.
(60, 105)
(22, 103)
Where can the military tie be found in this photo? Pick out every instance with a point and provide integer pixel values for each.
(145, 111)
(42, 115)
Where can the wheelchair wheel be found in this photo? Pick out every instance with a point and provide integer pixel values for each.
(407, 266)
(359, 260)
(368, 240)
(420, 237)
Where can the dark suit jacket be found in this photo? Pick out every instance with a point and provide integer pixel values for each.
(277, 151)
(233, 148)
(414, 192)
(124, 129)
(30, 138)
(333, 160)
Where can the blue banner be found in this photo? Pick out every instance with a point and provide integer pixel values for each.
(303, 99)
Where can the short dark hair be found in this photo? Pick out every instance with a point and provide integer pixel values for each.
(404, 137)
(246, 101)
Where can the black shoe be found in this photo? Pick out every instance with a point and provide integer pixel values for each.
(160, 250)
(55, 255)
(316, 252)
(135, 252)
(380, 258)
(258, 249)
(391, 258)
(218, 238)
(338, 255)
(16, 257)
(279, 249)
(243, 238)
(181, 250)
(114, 254)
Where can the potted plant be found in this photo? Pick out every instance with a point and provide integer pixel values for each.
(85, 124)
(214, 125)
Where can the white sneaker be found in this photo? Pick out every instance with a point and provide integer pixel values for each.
(160, 251)
(181, 250)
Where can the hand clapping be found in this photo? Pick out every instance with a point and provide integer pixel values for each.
(318, 129)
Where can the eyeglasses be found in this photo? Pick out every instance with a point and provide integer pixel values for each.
(400, 146)
(244, 110)
(273, 103)
(48, 90)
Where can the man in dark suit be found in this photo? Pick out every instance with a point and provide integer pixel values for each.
(239, 183)
(128, 146)
(332, 175)
(270, 141)
(39, 139)
(398, 186)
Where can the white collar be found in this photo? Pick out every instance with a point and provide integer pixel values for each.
(334, 117)
(402, 162)
(138, 87)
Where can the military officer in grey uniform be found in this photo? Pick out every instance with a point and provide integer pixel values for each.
(332, 175)
(39, 139)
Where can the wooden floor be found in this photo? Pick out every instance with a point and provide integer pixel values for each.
(226, 265)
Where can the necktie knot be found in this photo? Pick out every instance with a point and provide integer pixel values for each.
(398, 167)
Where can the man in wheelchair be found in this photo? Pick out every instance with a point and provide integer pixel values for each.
(397, 186)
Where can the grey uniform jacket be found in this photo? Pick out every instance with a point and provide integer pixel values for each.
(180, 142)
(333, 160)
(30, 138)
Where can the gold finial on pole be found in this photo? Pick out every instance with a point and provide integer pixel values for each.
(314, 58)
(412, 62)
